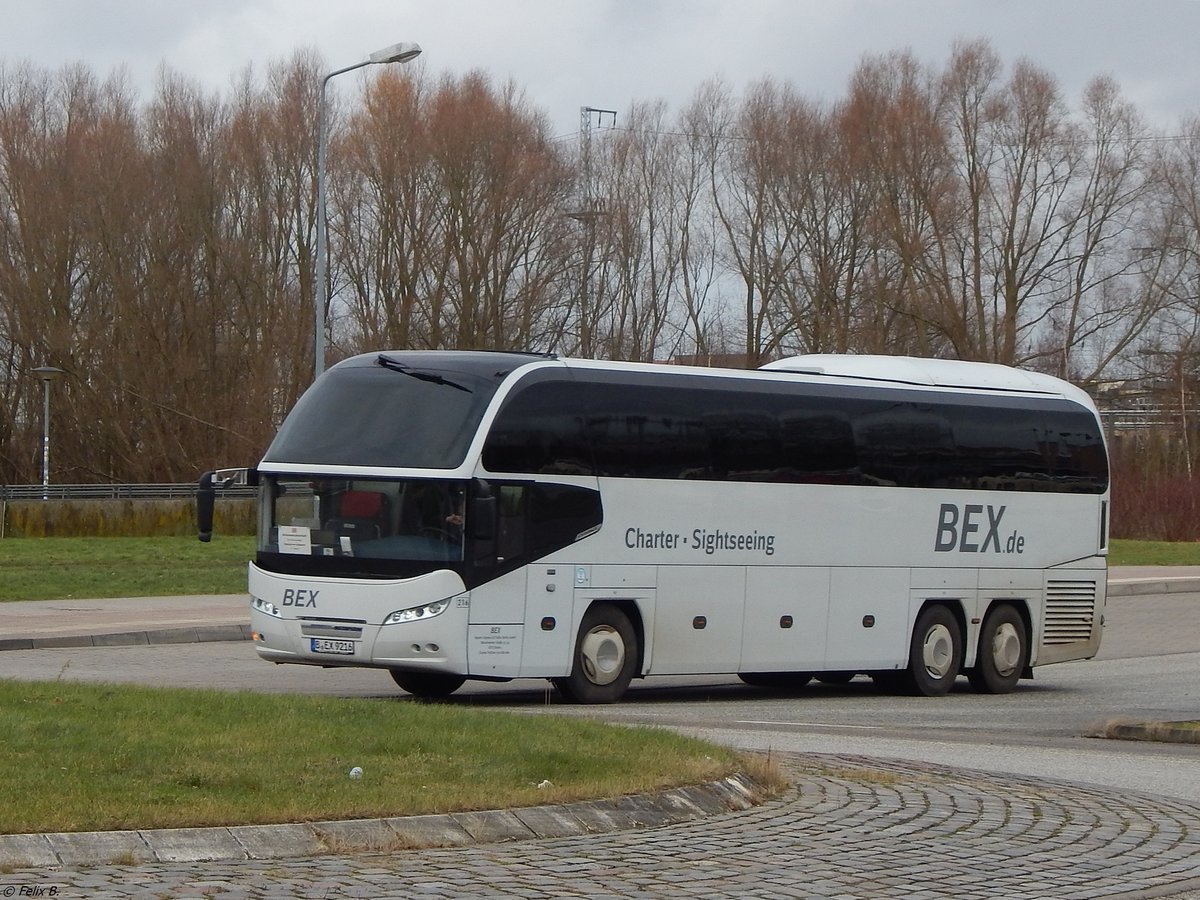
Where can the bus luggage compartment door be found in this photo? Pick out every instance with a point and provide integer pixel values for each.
(698, 617)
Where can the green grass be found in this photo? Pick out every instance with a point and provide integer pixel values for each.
(1153, 553)
(84, 757)
(73, 568)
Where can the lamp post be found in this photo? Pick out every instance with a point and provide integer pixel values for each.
(47, 374)
(403, 52)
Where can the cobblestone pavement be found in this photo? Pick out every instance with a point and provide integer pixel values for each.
(851, 828)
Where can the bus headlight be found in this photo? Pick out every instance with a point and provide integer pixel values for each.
(265, 606)
(413, 614)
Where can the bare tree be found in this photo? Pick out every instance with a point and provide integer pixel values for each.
(699, 312)
(640, 233)
(452, 242)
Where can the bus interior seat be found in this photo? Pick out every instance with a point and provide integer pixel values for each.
(410, 513)
(422, 508)
(362, 514)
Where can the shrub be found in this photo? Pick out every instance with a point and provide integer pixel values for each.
(1155, 507)
(119, 518)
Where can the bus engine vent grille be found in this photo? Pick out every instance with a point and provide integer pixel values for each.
(1070, 611)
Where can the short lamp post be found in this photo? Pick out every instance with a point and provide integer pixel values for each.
(47, 374)
(401, 53)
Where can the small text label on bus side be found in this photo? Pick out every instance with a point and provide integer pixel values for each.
(709, 542)
(960, 528)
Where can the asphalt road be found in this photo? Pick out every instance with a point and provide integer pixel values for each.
(1147, 669)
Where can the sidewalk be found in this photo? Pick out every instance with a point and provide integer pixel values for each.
(48, 624)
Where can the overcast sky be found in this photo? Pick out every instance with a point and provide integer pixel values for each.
(606, 53)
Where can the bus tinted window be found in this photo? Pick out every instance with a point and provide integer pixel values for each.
(903, 444)
(817, 443)
(658, 433)
(643, 425)
(1000, 448)
(1080, 458)
(540, 430)
(368, 415)
(536, 519)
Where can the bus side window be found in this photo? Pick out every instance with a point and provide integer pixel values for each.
(510, 527)
(536, 519)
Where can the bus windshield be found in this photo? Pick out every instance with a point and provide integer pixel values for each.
(386, 413)
(413, 520)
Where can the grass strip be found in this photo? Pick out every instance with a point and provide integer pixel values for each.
(1154, 553)
(64, 568)
(99, 757)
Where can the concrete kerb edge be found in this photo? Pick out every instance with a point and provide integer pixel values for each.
(1136, 587)
(237, 842)
(188, 635)
(1163, 732)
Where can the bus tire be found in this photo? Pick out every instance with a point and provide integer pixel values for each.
(791, 681)
(1003, 651)
(427, 685)
(606, 655)
(890, 681)
(935, 653)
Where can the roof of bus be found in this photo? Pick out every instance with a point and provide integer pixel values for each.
(915, 370)
(909, 370)
(932, 372)
(899, 370)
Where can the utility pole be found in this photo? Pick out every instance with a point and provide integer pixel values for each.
(589, 210)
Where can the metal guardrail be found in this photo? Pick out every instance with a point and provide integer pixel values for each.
(185, 491)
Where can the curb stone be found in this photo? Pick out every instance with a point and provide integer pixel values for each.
(241, 842)
(1167, 732)
(197, 634)
(1136, 587)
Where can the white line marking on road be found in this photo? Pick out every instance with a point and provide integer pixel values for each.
(804, 724)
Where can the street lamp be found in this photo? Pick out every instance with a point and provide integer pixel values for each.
(401, 53)
(47, 374)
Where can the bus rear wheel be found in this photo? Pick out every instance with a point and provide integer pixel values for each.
(935, 654)
(606, 655)
(1003, 652)
(427, 685)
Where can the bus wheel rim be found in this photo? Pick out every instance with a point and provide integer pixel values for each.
(937, 652)
(603, 654)
(1006, 649)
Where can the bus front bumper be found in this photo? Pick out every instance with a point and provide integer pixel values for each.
(433, 645)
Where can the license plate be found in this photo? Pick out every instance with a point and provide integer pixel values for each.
(325, 645)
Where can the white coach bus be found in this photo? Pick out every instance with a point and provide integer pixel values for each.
(482, 515)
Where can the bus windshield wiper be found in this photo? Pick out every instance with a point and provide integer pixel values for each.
(396, 366)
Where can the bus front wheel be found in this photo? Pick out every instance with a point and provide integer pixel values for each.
(606, 655)
(935, 654)
(427, 685)
(1003, 652)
